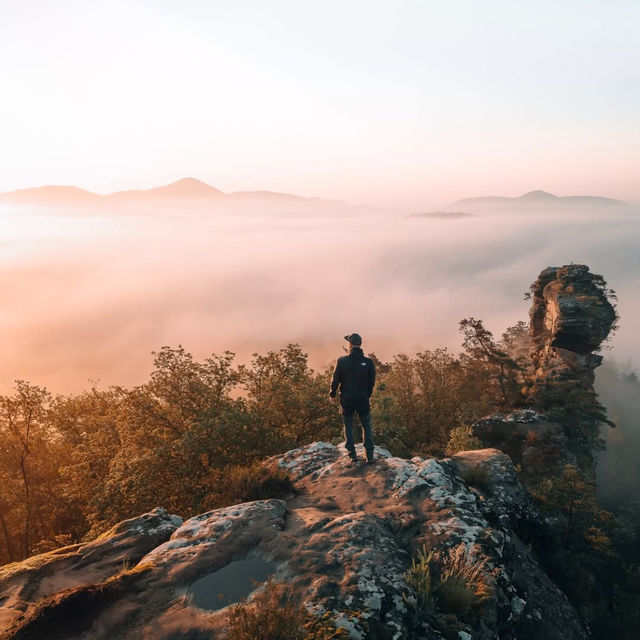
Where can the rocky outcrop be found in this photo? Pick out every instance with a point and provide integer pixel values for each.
(538, 446)
(72, 568)
(570, 318)
(344, 543)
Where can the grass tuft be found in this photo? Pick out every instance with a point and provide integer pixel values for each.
(419, 575)
(458, 580)
(274, 614)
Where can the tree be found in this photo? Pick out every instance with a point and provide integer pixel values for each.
(481, 349)
(288, 399)
(573, 495)
(516, 343)
(87, 440)
(172, 431)
(420, 400)
(23, 438)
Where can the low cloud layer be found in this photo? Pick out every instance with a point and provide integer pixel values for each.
(618, 470)
(88, 298)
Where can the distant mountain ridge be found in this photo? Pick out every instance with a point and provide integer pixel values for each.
(50, 194)
(531, 201)
(183, 188)
(189, 189)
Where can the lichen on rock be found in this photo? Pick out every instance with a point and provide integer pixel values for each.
(343, 544)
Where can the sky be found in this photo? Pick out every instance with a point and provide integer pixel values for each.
(404, 106)
(407, 104)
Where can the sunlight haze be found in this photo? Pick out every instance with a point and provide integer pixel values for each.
(406, 105)
(199, 200)
(358, 116)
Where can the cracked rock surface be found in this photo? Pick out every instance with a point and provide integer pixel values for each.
(344, 543)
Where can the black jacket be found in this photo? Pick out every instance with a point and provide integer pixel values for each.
(356, 376)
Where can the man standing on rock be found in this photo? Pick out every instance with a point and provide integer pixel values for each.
(355, 375)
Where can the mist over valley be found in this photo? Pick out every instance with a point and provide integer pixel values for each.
(95, 283)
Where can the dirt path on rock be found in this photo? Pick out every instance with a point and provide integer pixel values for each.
(346, 489)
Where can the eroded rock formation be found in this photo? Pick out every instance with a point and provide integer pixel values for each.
(344, 544)
(570, 318)
(67, 578)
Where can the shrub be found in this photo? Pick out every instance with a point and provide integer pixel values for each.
(257, 481)
(462, 439)
(465, 580)
(430, 450)
(55, 542)
(273, 614)
(459, 580)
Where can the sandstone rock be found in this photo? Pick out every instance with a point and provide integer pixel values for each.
(537, 445)
(344, 544)
(570, 318)
(24, 583)
(494, 472)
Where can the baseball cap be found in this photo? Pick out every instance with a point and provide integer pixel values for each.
(354, 339)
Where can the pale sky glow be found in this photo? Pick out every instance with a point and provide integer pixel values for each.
(403, 105)
(406, 104)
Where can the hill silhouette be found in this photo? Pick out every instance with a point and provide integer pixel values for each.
(189, 190)
(57, 195)
(183, 188)
(533, 201)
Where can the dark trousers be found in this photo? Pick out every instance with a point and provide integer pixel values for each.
(365, 419)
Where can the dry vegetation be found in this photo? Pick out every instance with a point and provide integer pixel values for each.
(274, 613)
(456, 580)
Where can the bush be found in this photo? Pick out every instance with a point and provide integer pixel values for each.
(430, 450)
(273, 614)
(257, 481)
(458, 580)
(465, 581)
(462, 439)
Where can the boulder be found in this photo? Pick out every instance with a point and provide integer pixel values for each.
(538, 446)
(343, 543)
(122, 547)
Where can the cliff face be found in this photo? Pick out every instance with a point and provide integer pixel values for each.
(344, 544)
(570, 318)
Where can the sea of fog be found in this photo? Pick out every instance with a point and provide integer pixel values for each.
(88, 297)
